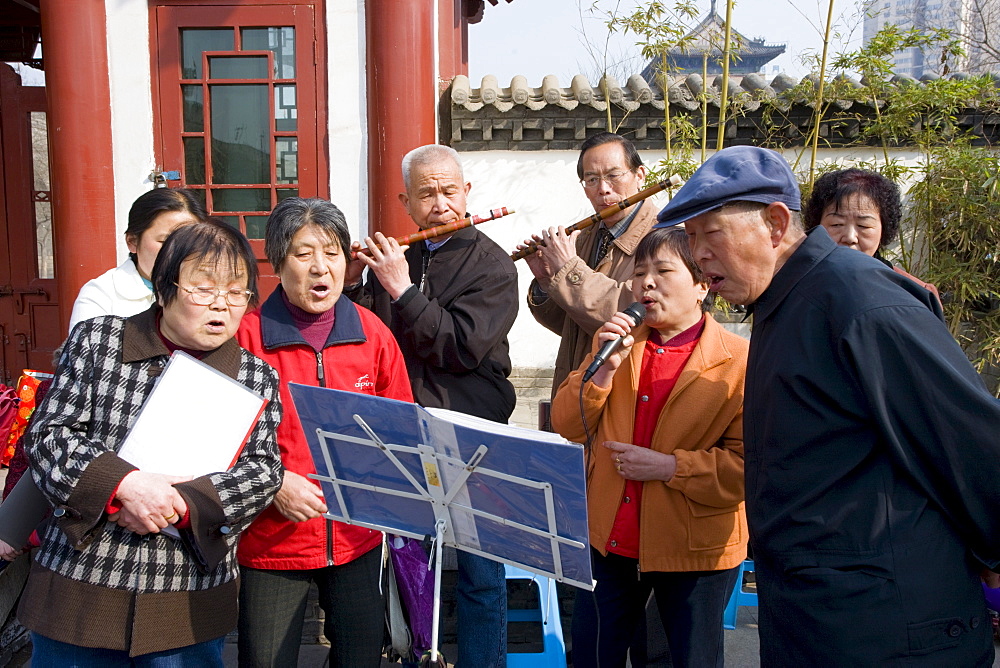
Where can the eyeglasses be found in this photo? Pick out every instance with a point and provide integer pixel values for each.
(205, 296)
(612, 179)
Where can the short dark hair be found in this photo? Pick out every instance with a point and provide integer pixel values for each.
(631, 154)
(208, 242)
(674, 238)
(151, 204)
(294, 213)
(839, 185)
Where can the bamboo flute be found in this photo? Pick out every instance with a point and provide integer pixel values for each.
(674, 180)
(447, 228)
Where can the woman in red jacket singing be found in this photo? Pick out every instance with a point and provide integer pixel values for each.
(313, 335)
(665, 469)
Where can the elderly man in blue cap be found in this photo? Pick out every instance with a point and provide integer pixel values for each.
(872, 455)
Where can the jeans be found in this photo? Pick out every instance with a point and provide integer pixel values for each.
(482, 612)
(273, 606)
(690, 604)
(49, 653)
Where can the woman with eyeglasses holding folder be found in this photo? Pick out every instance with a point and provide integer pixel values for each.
(107, 587)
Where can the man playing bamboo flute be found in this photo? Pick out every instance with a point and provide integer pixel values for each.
(450, 302)
(583, 278)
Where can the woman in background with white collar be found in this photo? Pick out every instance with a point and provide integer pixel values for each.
(126, 289)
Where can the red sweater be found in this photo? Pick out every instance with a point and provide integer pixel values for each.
(360, 355)
(662, 364)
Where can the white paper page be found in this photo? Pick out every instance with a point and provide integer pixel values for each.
(193, 423)
(483, 424)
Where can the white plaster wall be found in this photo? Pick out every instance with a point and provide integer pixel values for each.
(132, 108)
(347, 112)
(542, 187)
(129, 73)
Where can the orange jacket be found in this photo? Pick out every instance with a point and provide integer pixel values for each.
(930, 286)
(696, 520)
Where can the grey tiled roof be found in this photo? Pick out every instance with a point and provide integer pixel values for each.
(553, 116)
(684, 90)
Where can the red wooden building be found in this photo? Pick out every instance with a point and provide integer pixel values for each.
(245, 101)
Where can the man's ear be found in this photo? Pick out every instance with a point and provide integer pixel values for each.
(468, 188)
(404, 199)
(778, 219)
(642, 173)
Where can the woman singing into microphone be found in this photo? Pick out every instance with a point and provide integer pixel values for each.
(665, 468)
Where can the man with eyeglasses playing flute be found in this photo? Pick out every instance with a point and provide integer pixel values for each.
(583, 278)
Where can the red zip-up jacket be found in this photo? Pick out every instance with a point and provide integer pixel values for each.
(360, 355)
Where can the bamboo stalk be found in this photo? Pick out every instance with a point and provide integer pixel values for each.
(666, 104)
(725, 75)
(819, 102)
(607, 99)
(704, 105)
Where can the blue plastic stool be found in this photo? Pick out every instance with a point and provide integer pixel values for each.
(739, 597)
(554, 648)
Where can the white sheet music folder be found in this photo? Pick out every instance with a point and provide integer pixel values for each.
(194, 422)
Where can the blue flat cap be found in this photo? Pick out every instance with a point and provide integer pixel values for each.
(735, 174)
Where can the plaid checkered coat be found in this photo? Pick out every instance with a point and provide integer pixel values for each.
(100, 585)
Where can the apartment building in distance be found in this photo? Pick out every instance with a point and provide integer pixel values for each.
(975, 22)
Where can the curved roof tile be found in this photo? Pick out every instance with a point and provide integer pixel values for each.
(518, 116)
(749, 89)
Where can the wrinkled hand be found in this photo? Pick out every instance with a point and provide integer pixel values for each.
(636, 463)
(619, 325)
(537, 262)
(299, 498)
(388, 264)
(8, 553)
(990, 578)
(559, 247)
(355, 266)
(149, 502)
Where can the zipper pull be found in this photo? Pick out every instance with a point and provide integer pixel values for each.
(319, 369)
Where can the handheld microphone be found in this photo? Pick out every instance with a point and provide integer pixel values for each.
(636, 313)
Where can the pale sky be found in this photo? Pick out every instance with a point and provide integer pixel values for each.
(539, 37)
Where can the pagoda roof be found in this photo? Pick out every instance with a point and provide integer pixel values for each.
(707, 37)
